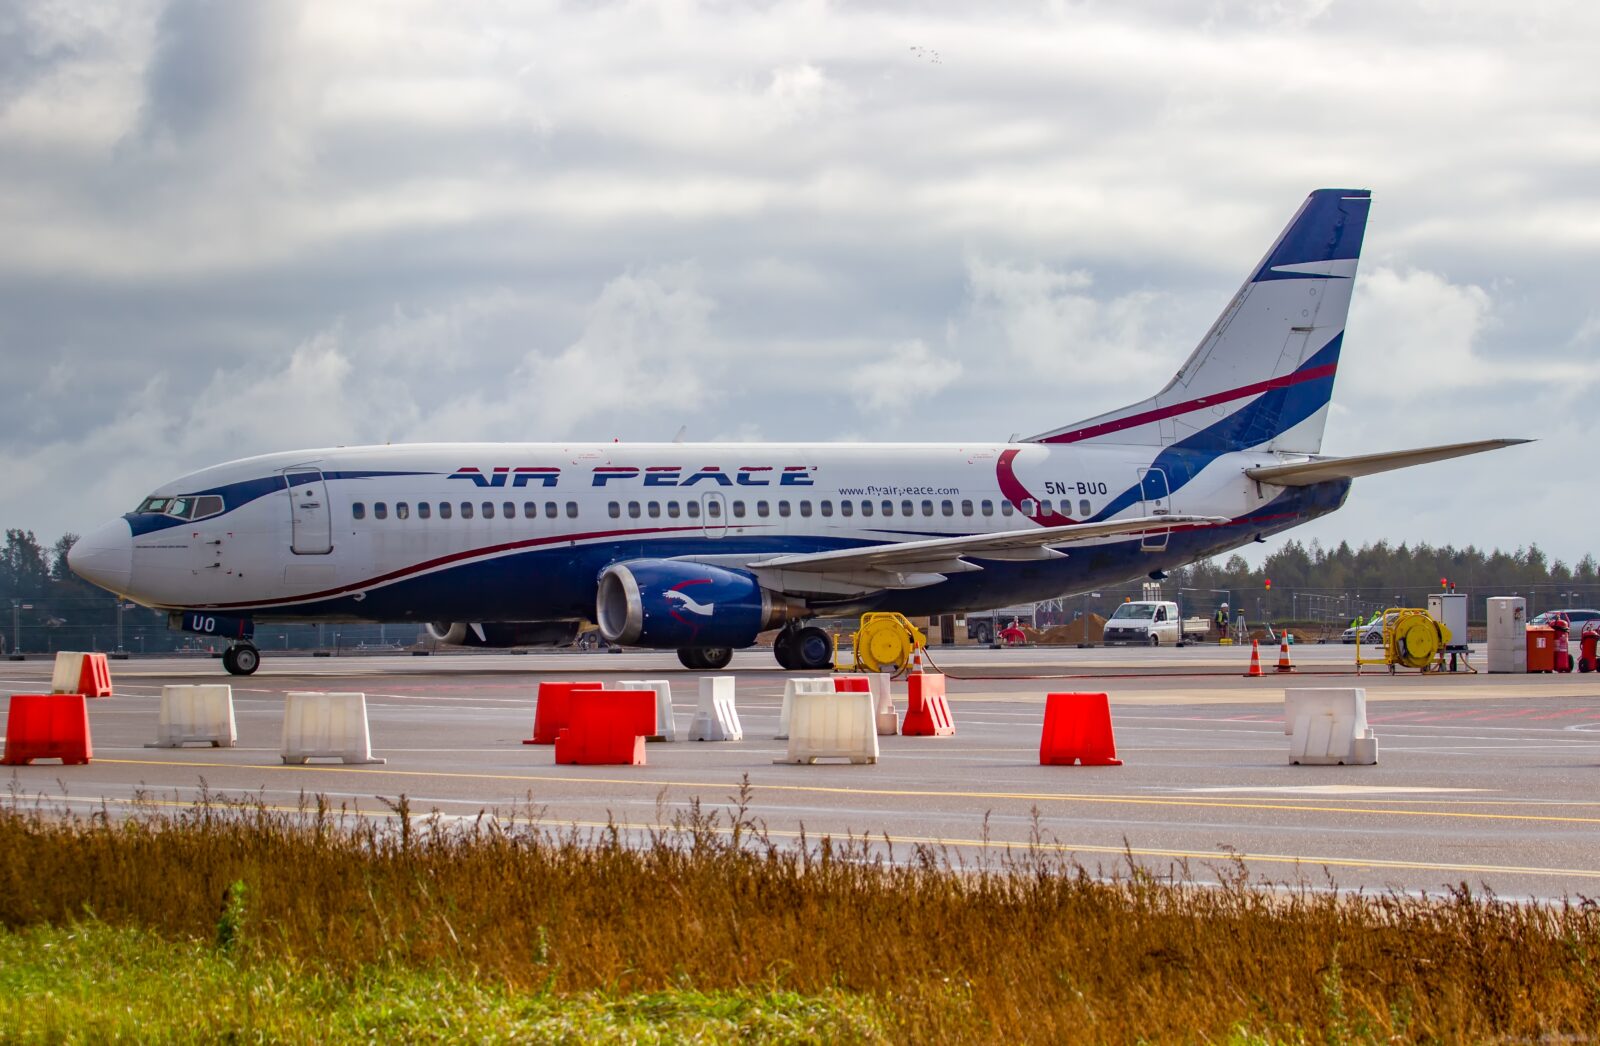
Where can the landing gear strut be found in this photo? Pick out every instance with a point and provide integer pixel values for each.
(242, 659)
(803, 648)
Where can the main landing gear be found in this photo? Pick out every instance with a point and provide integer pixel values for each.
(242, 659)
(705, 658)
(803, 648)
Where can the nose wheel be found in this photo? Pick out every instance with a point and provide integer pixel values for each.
(241, 660)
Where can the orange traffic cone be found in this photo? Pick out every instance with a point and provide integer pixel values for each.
(916, 660)
(1255, 659)
(1284, 664)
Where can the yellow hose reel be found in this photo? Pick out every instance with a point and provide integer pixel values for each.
(884, 642)
(1414, 640)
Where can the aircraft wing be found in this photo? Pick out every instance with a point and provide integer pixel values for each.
(1321, 470)
(915, 564)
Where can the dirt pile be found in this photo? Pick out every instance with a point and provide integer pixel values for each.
(1083, 630)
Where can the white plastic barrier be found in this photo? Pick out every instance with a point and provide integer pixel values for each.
(715, 718)
(326, 726)
(829, 725)
(883, 702)
(1328, 725)
(68, 672)
(793, 687)
(196, 715)
(666, 728)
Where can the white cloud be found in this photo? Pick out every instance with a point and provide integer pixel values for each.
(900, 380)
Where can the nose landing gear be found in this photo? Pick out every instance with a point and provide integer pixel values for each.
(241, 659)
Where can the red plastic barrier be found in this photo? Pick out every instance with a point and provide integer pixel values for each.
(607, 727)
(95, 678)
(47, 726)
(552, 711)
(852, 685)
(1077, 729)
(927, 712)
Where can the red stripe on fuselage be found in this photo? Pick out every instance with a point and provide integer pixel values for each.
(1145, 417)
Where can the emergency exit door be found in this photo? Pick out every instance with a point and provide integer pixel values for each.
(1157, 500)
(310, 522)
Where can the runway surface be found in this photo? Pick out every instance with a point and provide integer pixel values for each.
(1488, 780)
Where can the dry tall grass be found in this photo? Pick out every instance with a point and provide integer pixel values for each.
(1028, 948)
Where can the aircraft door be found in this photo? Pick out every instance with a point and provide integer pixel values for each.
(714, 514)
(310, 521)
(1157, 501)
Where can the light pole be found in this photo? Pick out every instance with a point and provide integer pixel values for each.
(17, 606)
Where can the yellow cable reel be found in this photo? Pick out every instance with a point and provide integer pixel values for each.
(1415, 639)
(884, 642)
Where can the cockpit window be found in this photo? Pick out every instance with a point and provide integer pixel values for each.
(157, 505)
(195, 507)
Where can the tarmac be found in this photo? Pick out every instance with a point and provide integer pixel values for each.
(1488, 780)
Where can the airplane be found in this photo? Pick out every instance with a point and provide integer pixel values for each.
(698, 548)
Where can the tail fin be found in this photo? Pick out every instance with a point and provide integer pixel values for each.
(1263, 375)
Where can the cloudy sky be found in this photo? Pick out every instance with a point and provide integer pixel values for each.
(230, 227)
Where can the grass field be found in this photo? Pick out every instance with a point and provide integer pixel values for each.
(321, 925)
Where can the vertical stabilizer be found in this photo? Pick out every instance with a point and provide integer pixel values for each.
(1262, 377)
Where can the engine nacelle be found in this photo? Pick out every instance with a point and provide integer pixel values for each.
(502, 634)
(675, 605)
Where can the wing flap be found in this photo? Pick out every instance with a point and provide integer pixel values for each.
(1322, 470)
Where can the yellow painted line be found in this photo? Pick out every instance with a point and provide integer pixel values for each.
(914, 793)
(984, 844)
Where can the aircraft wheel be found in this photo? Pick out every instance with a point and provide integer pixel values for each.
(783, 650)
(715, 657)
(691, 657)
(241, 660)
(812, 649)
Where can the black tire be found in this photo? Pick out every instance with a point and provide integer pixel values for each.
(983, 633)
(812, 649)
(691, 657)
(783, 650)
(1155, 640)
(715, 658)
(241, 660)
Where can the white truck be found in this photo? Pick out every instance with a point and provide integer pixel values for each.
(1152, 622)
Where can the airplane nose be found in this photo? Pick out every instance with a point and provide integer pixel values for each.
(105, 556)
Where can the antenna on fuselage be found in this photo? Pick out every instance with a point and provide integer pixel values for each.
(683, 430)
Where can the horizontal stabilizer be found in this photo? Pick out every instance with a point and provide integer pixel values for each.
(1322, 470)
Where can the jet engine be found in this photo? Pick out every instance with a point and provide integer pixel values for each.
(502, 634)
(670, 604)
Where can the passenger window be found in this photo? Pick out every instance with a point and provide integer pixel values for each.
(633, 510)
(466, 510)
(927, 508)
(672, 510)
(614, 510)
(424, 510)
(1084, 510)
(1007, 509)
(444, 510)
(738, 510)
(1030, 507)
(827, 508)
(380, 511)
(847, 508)
(866, 508)
(763, 509)
(966, 508)
(488, 510)
(888, 508)
(654, 509)
(551, 510)
(572, 510)
(907, 508)
(402, 510)
(510, 509)
(784, 508)
(692, 508)
(714, 509)
(805, 508)
(948, 508)
(987, 508)
(358, 510)
(530, 510)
